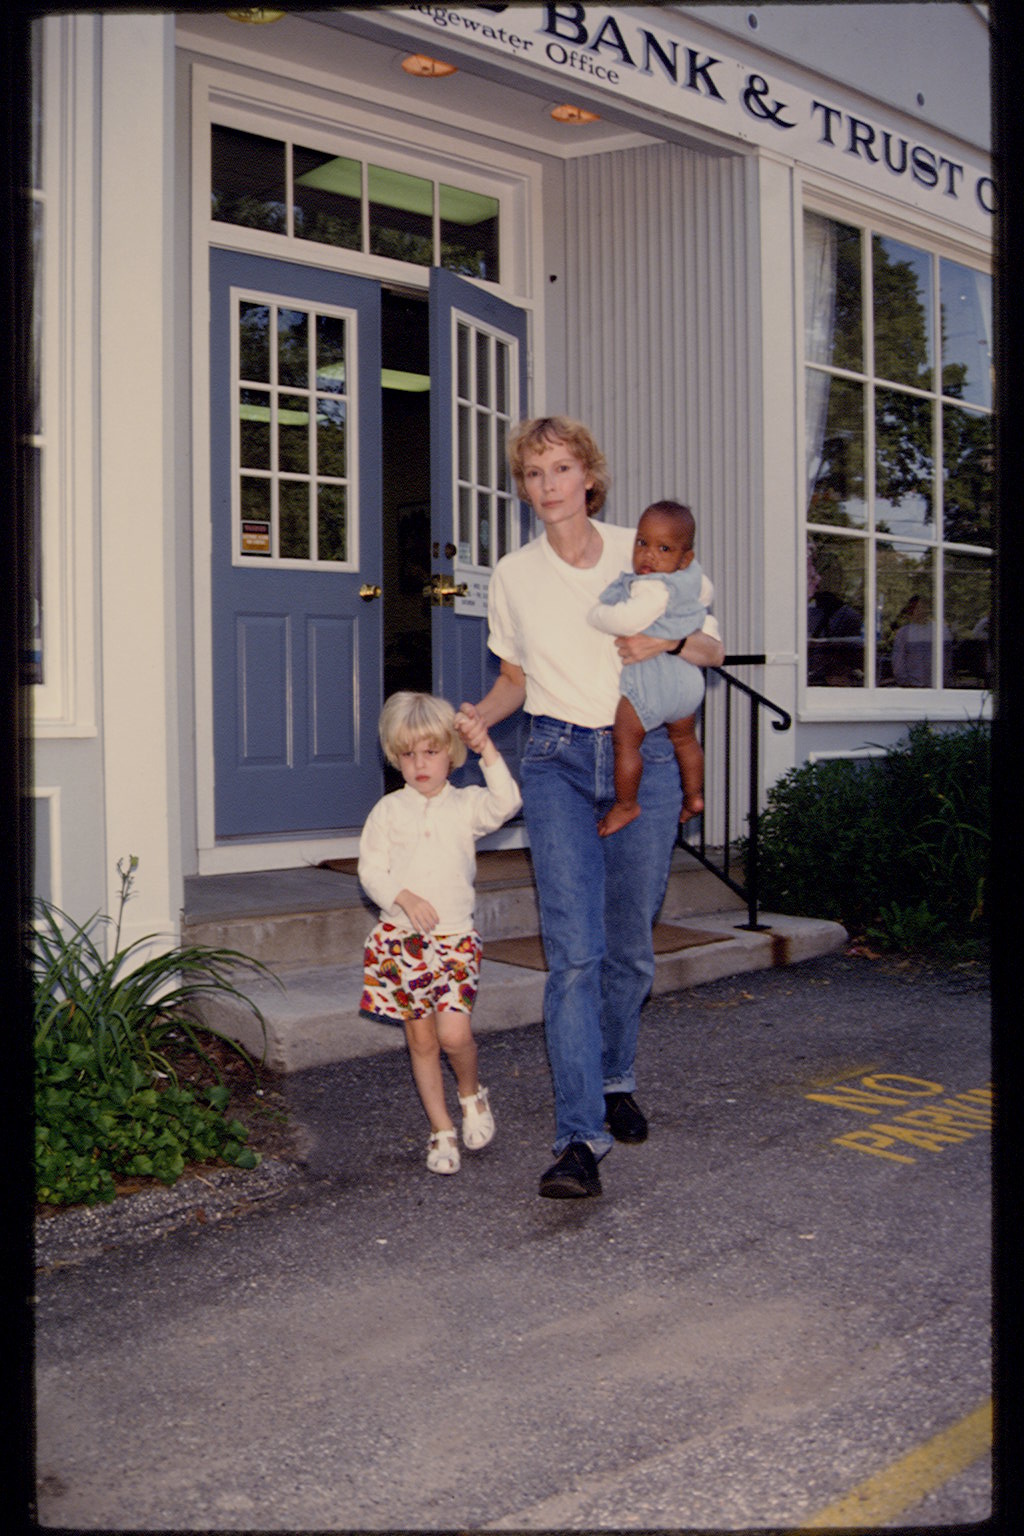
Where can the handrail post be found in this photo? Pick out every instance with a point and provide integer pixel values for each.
(753, 821)
(782, 722)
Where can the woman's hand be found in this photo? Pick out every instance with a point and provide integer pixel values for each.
(640, 647)
(472, 729)
(700, 648)
(506, 695)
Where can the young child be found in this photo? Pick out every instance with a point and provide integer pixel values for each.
(661, 597)
(417, 860)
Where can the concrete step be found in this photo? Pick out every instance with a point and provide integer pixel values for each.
(309, 926)
(312, 1017)
(315, 916)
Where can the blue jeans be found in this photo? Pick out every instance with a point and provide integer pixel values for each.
(598, 900)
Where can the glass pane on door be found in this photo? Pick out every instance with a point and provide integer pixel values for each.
(484, 499)
(293, 430)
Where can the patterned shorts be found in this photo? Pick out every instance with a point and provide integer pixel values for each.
(409, 975)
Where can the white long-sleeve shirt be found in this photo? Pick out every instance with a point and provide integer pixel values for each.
(427, 844)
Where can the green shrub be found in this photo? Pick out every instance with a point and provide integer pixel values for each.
(895, 847)
(108, 1102)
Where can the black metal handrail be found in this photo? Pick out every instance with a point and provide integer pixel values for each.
(698, 847)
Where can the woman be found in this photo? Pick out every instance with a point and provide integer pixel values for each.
(598, 896)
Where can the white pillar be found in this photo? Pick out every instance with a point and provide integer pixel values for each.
(781, 383)
(137, 469)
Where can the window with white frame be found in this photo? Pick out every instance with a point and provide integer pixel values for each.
(899, 462)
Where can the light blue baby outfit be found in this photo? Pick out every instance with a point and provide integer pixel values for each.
(665, 687)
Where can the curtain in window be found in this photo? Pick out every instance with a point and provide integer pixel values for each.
(819, 329)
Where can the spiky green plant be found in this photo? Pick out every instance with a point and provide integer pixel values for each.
(108, 1101)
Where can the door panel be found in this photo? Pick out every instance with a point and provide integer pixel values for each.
(295, 469)
(478, 390)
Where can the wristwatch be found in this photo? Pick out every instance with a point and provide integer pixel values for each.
(674, 650)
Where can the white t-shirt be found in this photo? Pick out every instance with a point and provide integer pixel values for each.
(427, 844)
(537, 609)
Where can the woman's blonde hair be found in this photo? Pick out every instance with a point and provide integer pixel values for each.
(539, 433)
(411, 717)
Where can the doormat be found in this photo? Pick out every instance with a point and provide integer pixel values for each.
(529, 951)
(500, 866)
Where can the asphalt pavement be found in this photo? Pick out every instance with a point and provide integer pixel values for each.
(778, 1311)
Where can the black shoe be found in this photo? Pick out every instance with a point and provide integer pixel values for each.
(573, 1175)
(625, 1119)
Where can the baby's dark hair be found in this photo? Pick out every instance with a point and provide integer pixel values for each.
(684, 518)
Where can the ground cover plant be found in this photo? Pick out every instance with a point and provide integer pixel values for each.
(895, 847)
(129, 1080)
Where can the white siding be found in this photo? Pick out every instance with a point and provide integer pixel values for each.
(662, 362)
(662, 352)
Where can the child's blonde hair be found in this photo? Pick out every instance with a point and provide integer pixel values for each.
(411, 717)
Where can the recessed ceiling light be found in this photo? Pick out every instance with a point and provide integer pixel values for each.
(568, 114)
(426, 68)
(259, 14)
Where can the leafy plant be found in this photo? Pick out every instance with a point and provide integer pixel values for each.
(108, 1099)
(895, 846)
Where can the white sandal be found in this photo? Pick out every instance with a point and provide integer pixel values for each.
(477, 1120)
(443, 1151)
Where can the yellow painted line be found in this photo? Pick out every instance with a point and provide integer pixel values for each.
(908, 1481)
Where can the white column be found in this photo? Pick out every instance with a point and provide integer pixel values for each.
(137, 469)
(781, 383)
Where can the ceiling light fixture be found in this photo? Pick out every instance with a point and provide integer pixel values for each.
(426, 68)
(567, 114)
(258, 14)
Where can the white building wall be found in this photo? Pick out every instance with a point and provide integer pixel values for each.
(663, 362)
(662, 350)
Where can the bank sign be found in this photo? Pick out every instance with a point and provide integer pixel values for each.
(634, 53)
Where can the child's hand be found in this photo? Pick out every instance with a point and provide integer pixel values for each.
(472, 729)
(418, 910)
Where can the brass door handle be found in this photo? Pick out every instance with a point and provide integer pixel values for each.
(368, 593)
(443, 590)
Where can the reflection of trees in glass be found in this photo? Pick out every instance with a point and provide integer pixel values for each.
(838, 493)
(903, 450)
(967, 477)
(329, 228)
(254, 342)
(901, 320)
(847, 344)
(838, 566)
(248, 211)
(457, 258)
(332, 523)
(902, 576)
(293, 347)
(400, 245)
(968, 595)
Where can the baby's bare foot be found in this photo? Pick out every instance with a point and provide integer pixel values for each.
(618, 817)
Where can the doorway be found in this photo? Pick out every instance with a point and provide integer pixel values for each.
(405, 490)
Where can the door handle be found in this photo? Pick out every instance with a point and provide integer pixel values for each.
(443, 590)
(368, 593)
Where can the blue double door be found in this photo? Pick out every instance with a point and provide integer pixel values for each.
(357, 486)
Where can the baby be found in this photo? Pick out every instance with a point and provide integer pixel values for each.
(659, 597)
